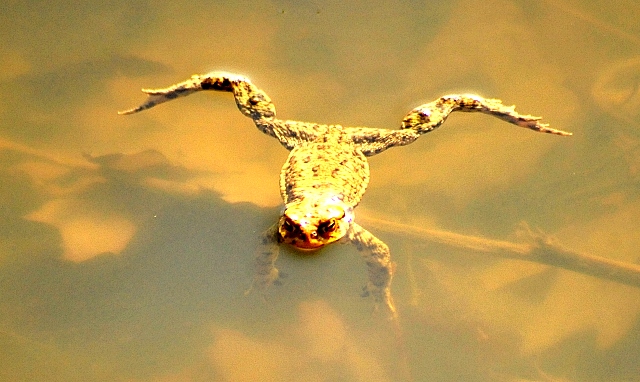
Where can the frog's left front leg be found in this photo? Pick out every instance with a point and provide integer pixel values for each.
(379, 265)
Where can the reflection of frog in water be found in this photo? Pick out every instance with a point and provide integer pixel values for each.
(327, 172)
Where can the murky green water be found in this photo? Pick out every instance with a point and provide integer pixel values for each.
(126, 243)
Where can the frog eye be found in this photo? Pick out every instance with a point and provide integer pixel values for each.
(326, 226)
(289, 226)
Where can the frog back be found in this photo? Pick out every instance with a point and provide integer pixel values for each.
(325, 171)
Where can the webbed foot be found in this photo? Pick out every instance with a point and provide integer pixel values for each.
(262, 282)
(382, 297)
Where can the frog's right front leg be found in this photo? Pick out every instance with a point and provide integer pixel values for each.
(266, 274)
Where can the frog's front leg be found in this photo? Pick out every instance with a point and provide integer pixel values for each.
(379, 265)
(266, 274)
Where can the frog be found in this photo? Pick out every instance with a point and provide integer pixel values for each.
(326, 173)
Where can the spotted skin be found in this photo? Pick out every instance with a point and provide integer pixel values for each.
(326, 173)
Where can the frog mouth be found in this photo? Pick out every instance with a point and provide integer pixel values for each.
(302, 240)
(307, 245)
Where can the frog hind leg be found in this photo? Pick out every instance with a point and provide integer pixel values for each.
(251, 101)
(429, 116)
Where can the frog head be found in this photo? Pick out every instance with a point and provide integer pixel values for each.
(311, 225)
